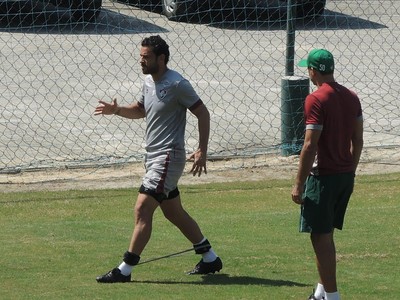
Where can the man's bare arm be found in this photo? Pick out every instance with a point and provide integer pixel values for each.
(132, 111)
(357, 143)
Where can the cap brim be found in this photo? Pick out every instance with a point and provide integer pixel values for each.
(303, 63)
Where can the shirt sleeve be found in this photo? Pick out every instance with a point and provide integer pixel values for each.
(313, 114)
(187, 96)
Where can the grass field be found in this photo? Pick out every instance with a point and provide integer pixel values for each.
(54, 244)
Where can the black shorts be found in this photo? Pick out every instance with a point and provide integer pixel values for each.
(160, 197)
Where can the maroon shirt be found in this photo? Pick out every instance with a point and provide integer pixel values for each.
(334, 110)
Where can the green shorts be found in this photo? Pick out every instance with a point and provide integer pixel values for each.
(325, 202)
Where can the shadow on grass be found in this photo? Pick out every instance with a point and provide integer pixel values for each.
(225, 279)
(27, 197)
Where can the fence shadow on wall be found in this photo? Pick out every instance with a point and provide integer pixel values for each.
(329, 21)
(108, 22)
(112, 22)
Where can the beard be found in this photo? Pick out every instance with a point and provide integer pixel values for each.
(150, 69)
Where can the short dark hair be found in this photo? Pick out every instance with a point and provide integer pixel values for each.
(158, 45)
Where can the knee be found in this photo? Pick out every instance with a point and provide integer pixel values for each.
(322, 240)
(170, 215)
(139, 209)
(143, 211)
(175, 215)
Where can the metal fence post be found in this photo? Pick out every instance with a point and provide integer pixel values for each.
(294, 91)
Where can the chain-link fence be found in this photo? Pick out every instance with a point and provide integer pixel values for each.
(59, 58)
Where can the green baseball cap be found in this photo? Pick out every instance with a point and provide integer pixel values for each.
(319, 59)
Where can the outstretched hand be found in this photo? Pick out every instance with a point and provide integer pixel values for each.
(199, 163)
(105, 108)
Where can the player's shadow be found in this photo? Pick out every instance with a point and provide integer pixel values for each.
(108, 22)
(225, 279)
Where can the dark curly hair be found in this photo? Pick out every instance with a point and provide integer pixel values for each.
(158, 45)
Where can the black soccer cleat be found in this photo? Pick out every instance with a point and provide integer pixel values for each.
(114, 276)
(203, 268)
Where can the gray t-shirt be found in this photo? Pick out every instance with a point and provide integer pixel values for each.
(165, 103)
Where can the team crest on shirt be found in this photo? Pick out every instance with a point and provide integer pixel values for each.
(163, 93)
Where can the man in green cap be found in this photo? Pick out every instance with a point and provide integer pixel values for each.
(328, 161)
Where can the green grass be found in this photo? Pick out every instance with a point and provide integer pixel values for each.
(54, 244)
